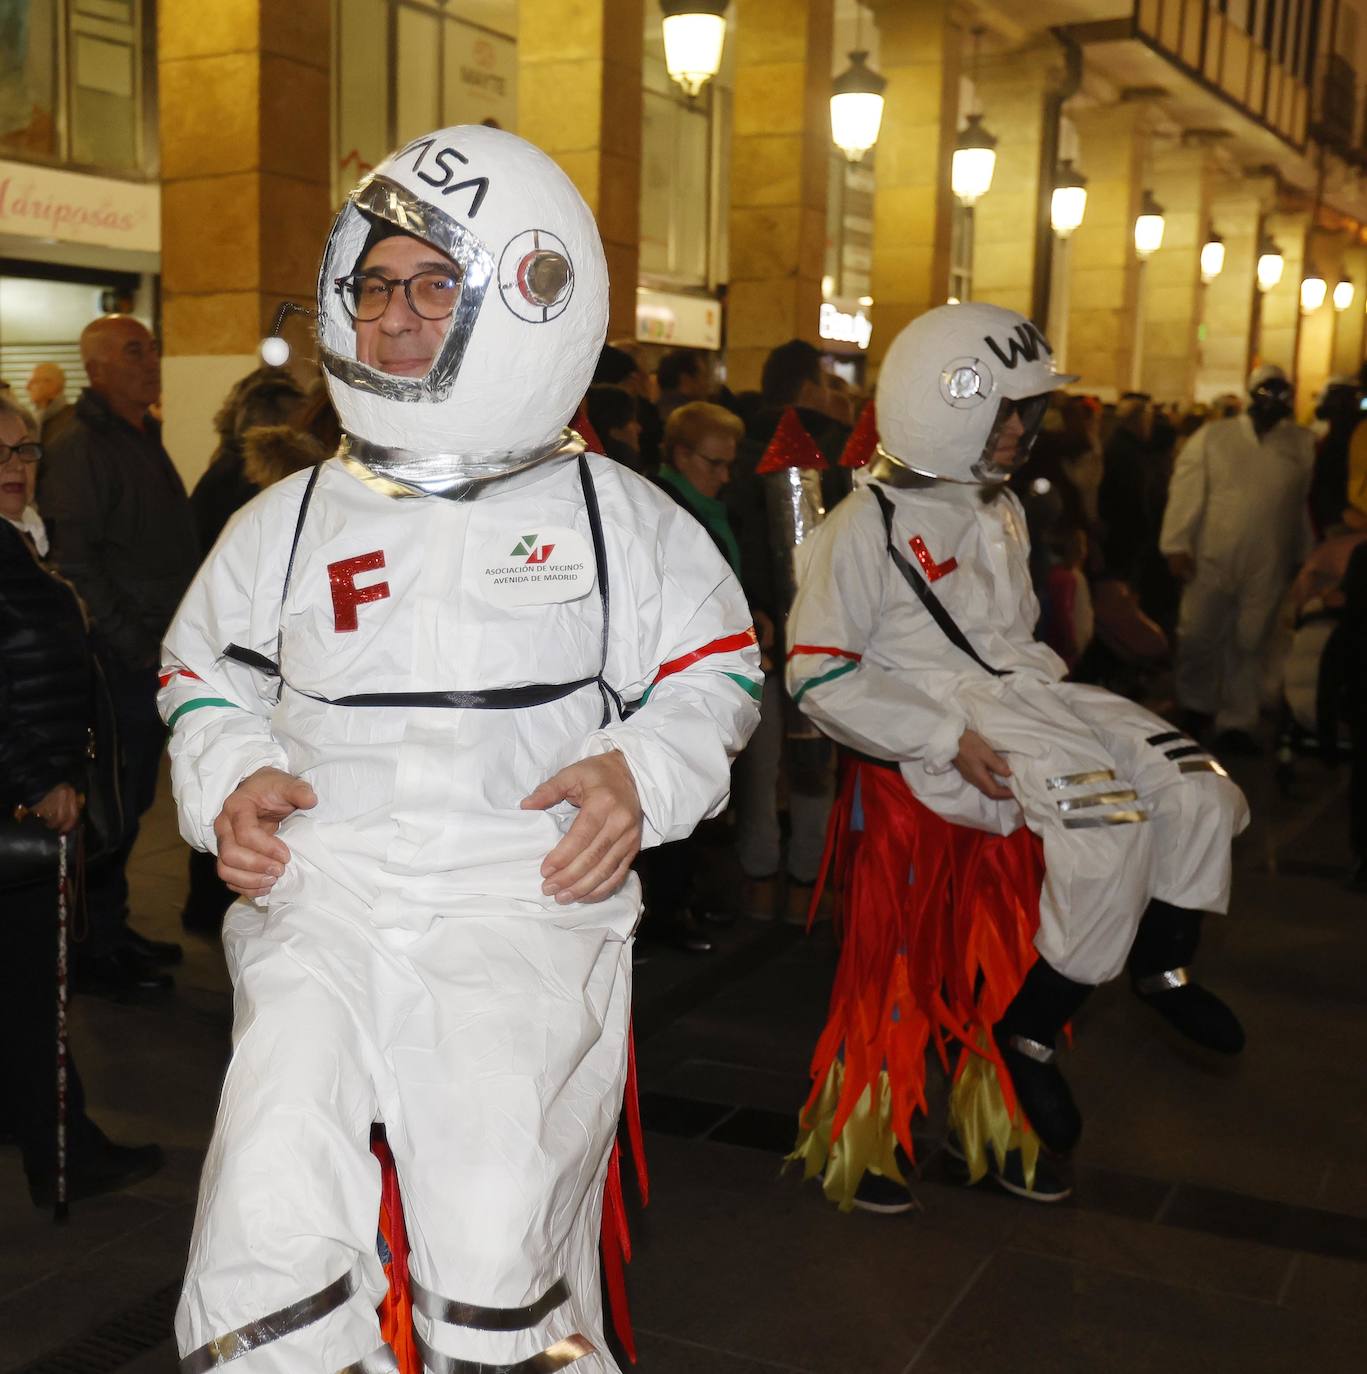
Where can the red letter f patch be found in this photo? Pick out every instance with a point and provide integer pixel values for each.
(346, 595)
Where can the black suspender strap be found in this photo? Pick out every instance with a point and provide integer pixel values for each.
(923, 591)
(493, 699)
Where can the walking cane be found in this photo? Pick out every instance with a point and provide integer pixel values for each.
(59, 1210)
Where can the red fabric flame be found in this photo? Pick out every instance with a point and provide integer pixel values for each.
(585, 430)
(791, 447)
(862, 441)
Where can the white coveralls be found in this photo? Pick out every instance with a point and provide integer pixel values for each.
(1237, 506)
(1128, 809)
(407, 966)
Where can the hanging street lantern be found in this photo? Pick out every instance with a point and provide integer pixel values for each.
(1148, 227)
(1343, 295)
(694, 31)
(1212, 257)
(1068, 204)
(1313, 292)
(975, 159)
(857, 107)
(1271, 265)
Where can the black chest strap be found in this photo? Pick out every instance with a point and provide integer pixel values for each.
(924, 592)
(490, 699)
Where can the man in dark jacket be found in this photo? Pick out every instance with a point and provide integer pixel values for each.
(123, 533)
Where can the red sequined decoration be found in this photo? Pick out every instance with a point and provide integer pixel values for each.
(791, 447)
(863, 439)
(934, 571)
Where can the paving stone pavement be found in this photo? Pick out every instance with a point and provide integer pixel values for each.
(1219, 1222)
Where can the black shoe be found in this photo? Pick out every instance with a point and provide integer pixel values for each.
(718, 917)
(679, 931)
(154, 951)
(1192, 1010)
(120, 975)
(102, 1167)
(1237, 744)
(1050, 1185)
(878, 1194)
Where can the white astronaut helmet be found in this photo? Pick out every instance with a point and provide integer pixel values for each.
(528, 321)
(949, 382)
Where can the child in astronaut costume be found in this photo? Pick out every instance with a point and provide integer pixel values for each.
(413, 661)
(913, 644)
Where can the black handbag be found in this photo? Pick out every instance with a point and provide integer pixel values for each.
(28, 848)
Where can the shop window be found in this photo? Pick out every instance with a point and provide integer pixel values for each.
(961, 253)
(849, 225)
(28, 78)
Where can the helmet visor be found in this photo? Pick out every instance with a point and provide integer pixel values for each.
(1011, 437)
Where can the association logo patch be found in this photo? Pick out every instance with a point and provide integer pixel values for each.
(554, 563)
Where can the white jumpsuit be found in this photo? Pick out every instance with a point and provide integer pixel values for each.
(407, 967)
(1128, 809)
(1237, 506)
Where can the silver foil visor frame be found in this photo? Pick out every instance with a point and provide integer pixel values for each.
(380, 198)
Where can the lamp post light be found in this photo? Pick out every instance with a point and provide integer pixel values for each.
(1212, 257)
(1068, 204)
(1313, 293)
(1343, 294)
(1271, 265)
(694, 32)
(975, 159)
(1148, 227)
(857, 107)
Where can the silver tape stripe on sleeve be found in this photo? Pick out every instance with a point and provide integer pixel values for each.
(441, 1309)
(1097, 799)
(379, 1361)
(254, 1335)
(1078, 779)
(546, 1361)
(1163, 982)
(1110, 818)
(1031, 1049)
(1201, 766)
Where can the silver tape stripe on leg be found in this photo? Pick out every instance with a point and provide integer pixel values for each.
(379, 1361)
(1078, 779)
(441, 1309)
(1097, 799)
(1163, 982)
(1110, 818)
(255, 1334)
(546, 1361)
(1031, 1049)
(1201, 766)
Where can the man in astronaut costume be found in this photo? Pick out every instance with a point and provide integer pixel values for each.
(395, 693)
(1136, 820)
(1235, 529)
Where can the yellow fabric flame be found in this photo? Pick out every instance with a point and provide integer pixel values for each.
(866, 1144)
(978, 1115)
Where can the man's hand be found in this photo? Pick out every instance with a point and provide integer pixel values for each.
(978, 763)
(764, 637)
(1182, 566)
(60, 809)
(592, 859)
(250, 858)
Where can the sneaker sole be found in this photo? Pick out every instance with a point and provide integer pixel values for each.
(1029, 1194)
(887, 1209)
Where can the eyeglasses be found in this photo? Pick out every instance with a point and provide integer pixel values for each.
(27, 452)
(431, 295)
(724, 464)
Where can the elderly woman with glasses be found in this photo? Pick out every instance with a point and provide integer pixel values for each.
(47, 680)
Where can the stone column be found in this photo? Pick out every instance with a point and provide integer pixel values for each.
(1171, 282)
(1229, 307)
(780, 152)
(1103, 270)
(1279, 310)
(243, 103)
(912, 203)
(1012, 91)
(579, 98)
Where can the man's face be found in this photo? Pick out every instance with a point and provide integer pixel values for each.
(125, 364)
(45, 385)
(1007, 452)
(401, 341)
(1272, 401)
(708, 465)
(693, 385)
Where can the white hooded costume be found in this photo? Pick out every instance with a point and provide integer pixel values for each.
(1128, 808)
(425, 629)
(1237, 507)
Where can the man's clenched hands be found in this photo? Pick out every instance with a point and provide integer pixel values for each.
(981, 765)
(592, 859)
(250, 858)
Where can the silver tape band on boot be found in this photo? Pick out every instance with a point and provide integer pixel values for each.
(546, 1361)
(1110, 818)
(254, 1335)
(379, 1361)
(1079, 779)
(1031, 1049)
(1097, 799)
(441, 1309)
(1163, 982)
